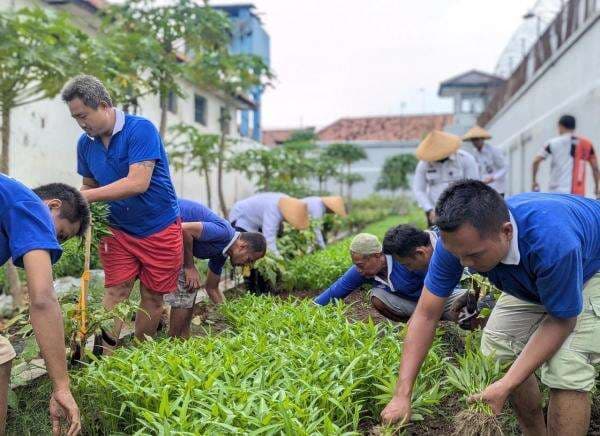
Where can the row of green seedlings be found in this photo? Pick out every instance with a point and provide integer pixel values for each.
(285, 367)
(319, 269)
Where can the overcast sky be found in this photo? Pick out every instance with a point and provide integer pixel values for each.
(336, 58)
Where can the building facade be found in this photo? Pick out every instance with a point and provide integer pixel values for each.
(44, 136)
(248, 36)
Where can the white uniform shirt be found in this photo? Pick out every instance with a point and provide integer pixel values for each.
(261, 211)
(561, 151)
(491, 163)
(316, 210)
(431, 178)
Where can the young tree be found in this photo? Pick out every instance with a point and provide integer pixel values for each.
(348, 154)
(172, 34)
(395, 172)
(195, 151)
(38, 52)
(324, 168)
(350, 180)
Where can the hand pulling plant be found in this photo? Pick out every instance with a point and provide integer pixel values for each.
(474, 373)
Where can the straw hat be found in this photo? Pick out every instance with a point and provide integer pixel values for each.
(437, 145)
(335, 204)
(294, 211)
(476, 132)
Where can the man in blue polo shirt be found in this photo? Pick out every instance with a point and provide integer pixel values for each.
(122, 160)
(396, 289)
(207, 236)
(543, 251)
(30, 224)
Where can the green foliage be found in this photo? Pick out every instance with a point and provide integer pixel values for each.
(395, 172)
(287, 368)
(38, 50)
(318, 270)
(347, 153)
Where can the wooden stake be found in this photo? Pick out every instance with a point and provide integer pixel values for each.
(85, 284)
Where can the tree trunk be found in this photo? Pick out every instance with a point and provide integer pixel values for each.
(208, 193)
(220, 163)
(163, 115)
(14, 284)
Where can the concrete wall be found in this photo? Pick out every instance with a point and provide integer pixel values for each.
(568, 83)
(370, 169)
(44, 138)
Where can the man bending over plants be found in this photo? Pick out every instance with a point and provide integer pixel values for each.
(396, 288)
(542, 251)
(31, 228)
(207, 236)
(122, 161)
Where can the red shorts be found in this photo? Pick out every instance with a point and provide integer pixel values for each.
(155, 259)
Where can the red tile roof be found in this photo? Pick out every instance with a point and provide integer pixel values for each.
(273, 137)
(386, 128)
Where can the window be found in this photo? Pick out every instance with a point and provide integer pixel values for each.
(172, 102)
(200, 109)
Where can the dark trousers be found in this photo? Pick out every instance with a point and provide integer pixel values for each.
(255, 283)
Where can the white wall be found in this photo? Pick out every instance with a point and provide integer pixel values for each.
(570, 83)
(44, 140)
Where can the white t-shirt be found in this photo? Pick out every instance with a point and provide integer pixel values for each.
(561, 151)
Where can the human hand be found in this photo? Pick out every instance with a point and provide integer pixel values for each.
(63, 406)
(397, 410)
(192, 278)
(495, 395)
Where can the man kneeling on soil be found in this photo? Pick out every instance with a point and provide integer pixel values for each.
(207, 236)
(396, 288)
(542, 250)
(31, 225)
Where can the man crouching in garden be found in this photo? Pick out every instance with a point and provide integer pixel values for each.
(396, 289)
(32, 225)
(543, 252)
(207, 236)
(123, 161)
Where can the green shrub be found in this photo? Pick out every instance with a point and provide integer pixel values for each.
(286, 368)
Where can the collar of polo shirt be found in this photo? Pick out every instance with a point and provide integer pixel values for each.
(513, 257)
(235, 238)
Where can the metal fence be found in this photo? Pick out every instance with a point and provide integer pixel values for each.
(572, 16)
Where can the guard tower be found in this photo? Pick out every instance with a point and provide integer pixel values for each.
(471, 92)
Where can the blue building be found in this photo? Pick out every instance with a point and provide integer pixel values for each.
(249, 37)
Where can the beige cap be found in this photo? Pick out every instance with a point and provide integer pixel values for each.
(365, 243)
(476, 132)
(335, 204)
(295, 212)
(437, 145)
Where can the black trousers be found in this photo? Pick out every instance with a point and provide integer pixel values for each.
(255, 283)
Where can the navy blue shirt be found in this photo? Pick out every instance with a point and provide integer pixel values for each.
(407, 284)
(25, 223)
(138, 140)
(217, 234)
(559, 248)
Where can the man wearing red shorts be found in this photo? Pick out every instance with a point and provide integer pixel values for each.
(123, 161)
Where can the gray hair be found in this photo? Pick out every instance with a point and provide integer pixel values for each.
(88, 89)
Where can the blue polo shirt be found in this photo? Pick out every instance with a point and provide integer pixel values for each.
(217, 234)
(407, 284)
(25, 223)
(137, 140)
(558, 241)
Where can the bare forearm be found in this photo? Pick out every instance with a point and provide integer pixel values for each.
(123, 188)
(47, 323)
(188, 250)
(418, 340)
(542, 345)
(535, 167)
(212, 288)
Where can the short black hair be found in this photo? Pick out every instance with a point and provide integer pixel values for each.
(256, 241)
(74, 208)
(568, 122)
(403, 240)
(473, 202)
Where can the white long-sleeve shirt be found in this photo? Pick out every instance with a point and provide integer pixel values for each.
(259, 212)
(431, 178)
(491, 163)
(316, 210)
